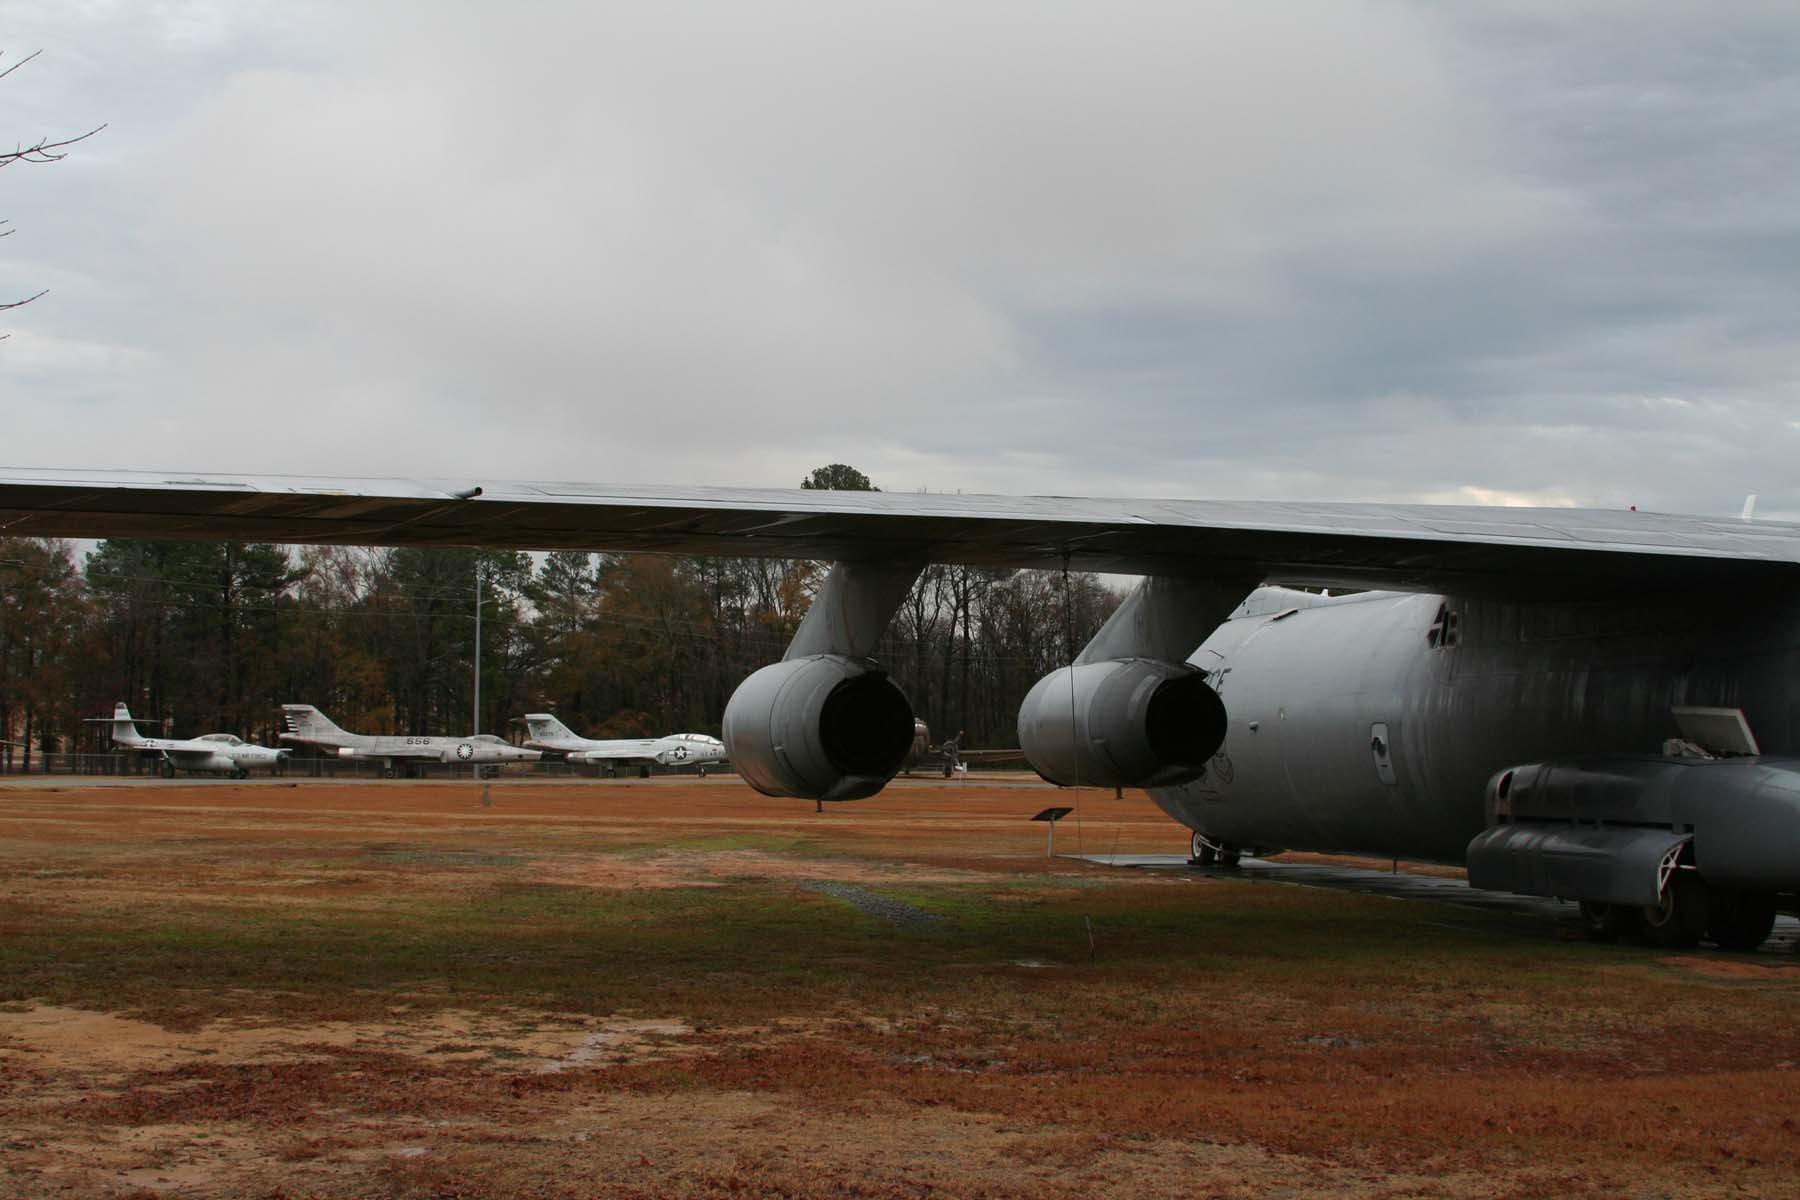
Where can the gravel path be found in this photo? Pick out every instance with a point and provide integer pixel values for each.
(907, 916)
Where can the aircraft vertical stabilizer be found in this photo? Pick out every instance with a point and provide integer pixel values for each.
(124, 729)
(306, 722)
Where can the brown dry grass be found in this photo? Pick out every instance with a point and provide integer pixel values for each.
(630, 989)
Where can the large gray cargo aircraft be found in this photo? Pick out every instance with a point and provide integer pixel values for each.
(1602, 706)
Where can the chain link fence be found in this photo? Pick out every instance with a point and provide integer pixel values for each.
(144, 766)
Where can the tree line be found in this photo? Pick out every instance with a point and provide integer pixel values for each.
(215, 636)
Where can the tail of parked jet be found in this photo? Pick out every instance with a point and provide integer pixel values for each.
(545, 727)
(304, 723)
(124, 729)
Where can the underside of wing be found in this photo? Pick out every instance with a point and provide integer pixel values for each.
(1513, 551)
(981, 756)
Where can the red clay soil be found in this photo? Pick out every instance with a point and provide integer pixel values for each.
(632, 989)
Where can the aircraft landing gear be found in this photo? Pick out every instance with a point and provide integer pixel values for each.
(1606, 922)
(387, 772)
(1739, 920)
(1680, 920)
(1203, 852)
(166, 769)
(240, 773)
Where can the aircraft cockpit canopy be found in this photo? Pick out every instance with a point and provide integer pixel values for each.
(227, 738)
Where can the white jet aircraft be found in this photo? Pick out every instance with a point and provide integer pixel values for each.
(672, 750)
(307, 726)
(210, 752)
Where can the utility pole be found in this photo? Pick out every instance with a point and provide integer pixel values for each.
(477, 728)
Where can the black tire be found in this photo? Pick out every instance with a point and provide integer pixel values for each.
(240, 773)
(387, 772)
(1229, 857)
(1201, 852)
(1606, 922)
(1679, 921)
(166, 769)
(1739, 920)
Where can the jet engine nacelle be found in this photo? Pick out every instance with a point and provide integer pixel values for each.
(347, 752)
(824, 727)
(1128, 722)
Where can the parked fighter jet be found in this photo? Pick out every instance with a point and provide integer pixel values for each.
(673, 750)
(950, 756)
(307, 726)
(1504, 704)
(212, 753)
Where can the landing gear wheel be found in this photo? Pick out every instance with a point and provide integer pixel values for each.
(1605, 922)
(1201, 852)
(1680, 920)
(240, 773)
(166, 769)
(1740, 920)
(1229, 856)
(387, 772)
(702, 772)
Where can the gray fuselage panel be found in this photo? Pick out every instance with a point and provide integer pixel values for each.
(1330, 702)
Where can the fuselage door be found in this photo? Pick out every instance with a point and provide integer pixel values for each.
(1381, 745)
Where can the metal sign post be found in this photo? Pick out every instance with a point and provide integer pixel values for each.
(1050, 816)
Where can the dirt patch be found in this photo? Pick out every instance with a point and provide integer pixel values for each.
(713, 868)
(604, 989)
(52, 1041)
(1735, 969)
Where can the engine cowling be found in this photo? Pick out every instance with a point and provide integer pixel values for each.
(1129, 722)
(347, 752)
(824, 727)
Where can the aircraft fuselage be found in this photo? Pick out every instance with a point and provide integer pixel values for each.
(1372, 723)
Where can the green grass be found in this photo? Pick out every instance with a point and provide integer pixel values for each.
(755, 949)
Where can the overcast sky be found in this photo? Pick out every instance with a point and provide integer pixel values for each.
(1357, 251)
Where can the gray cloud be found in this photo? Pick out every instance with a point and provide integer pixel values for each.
(1375, 251)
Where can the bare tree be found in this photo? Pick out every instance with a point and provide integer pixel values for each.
(44, 150)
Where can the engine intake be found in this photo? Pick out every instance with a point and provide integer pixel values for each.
(1130, 722)
(824, 727)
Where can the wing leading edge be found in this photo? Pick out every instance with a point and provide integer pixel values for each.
(1518, 551)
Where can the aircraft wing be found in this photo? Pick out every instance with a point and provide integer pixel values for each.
(187, 756)
(1518, 551)
(981, 756)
